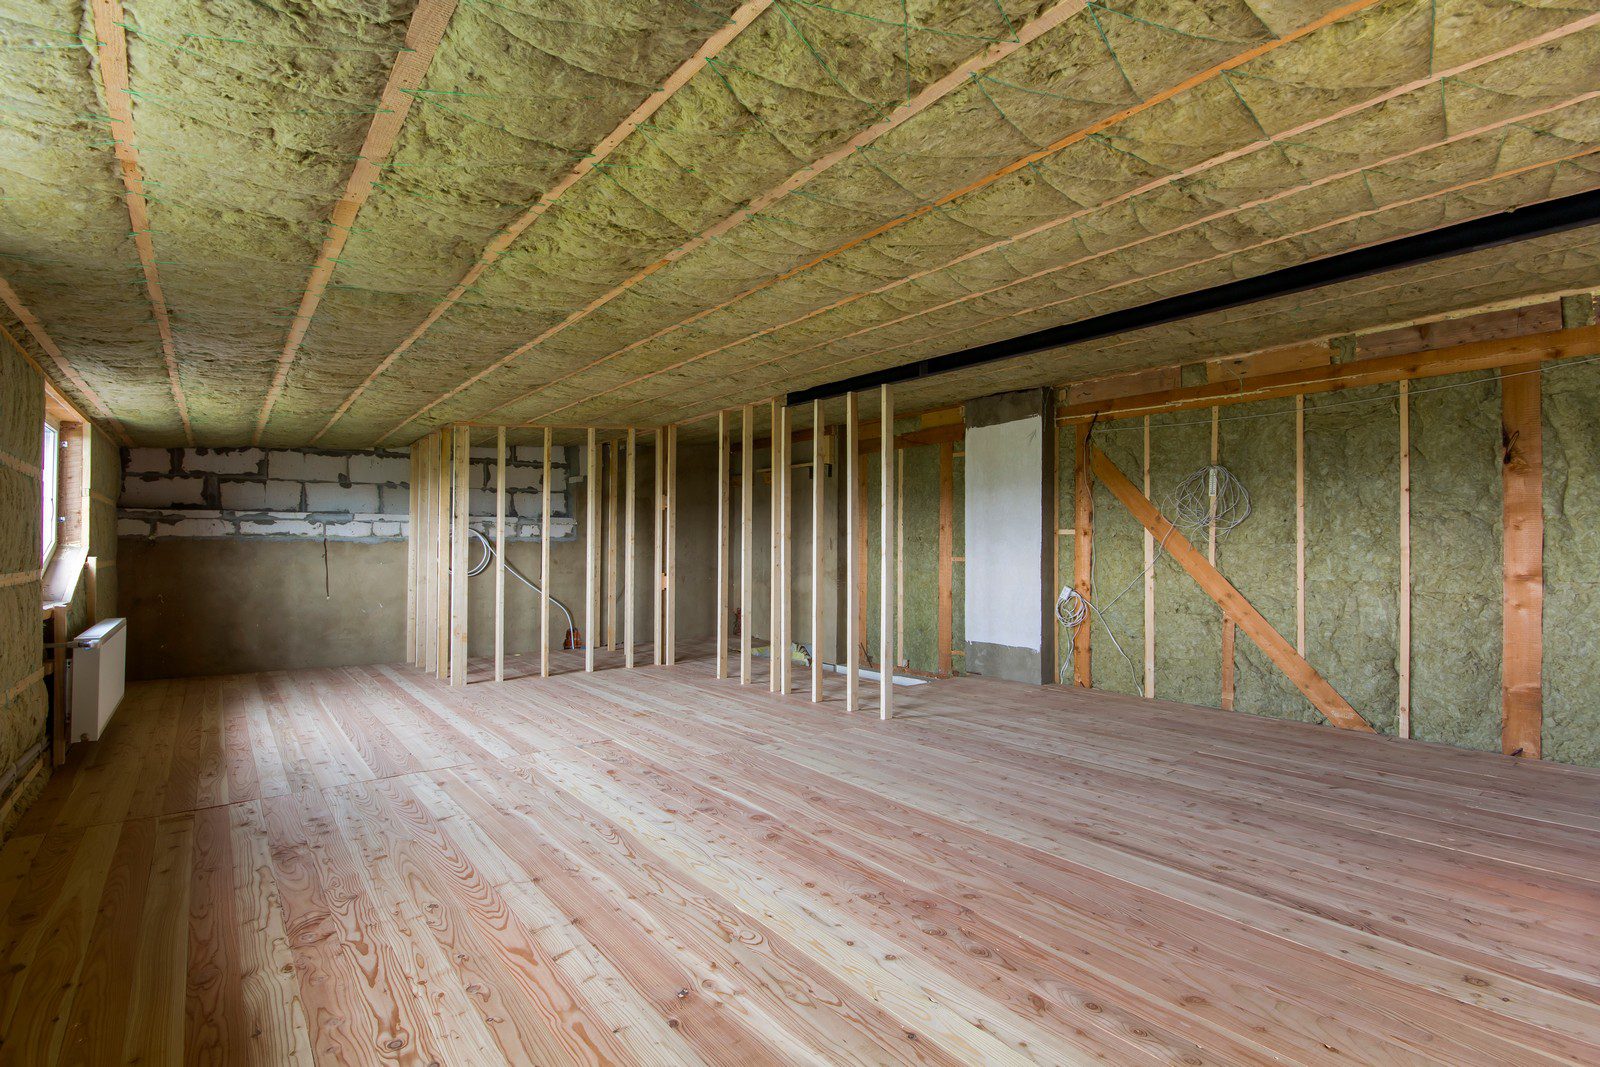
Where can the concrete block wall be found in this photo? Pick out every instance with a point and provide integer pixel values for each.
(290, 494)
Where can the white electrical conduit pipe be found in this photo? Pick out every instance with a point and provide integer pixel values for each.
(488, 557)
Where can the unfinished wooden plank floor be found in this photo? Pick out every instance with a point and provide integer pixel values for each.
(362, 865)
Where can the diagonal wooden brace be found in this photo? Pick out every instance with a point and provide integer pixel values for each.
(1323, 697)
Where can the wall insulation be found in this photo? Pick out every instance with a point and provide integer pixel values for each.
(22, 691)
(1352, 518)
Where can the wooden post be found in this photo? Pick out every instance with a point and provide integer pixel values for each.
(442, 524)
(853, 561)
(1522, 626)
(671, 607)
(947, 543)
(658, 634)
(628, 564)
(1082, 552)
(1305, 677)
(592, 499)
(775, 557)
(544, 559)
(460, 500)
(817, 442)
(722, 544)
(1403, 717)
(1300, 524)
(781, 472)
(747, 473)
(413, 598)
(886, 586)
(612, 480)
(900, 557)
(500, 554)
(1149, 584)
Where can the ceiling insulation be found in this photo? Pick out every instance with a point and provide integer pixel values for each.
(635, 212)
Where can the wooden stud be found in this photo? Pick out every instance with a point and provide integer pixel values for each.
(1305, 677)
(613, 482)
(1299, 524)
(460, 500)
(886, 620)
(775, 556)
(1228, 642)
(747, 465)
(947, 547)
(658, 635)
(442, 527)
(413, 599)
(630, 509)
(818, 467)
(900, 558)
(1149, 584)
(544, 557)
(722, 544)
(60, 634)
(1082, 553)
(592, 502)
(1403, 716)
(671, 596)
(1522, 625)
(1055, 540)
(854, 557)
(781, 476)
(863, 550)
(500, 554)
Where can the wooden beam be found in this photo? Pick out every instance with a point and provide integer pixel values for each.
(423, 34)
(671, 607)
(1082, 553)
(1149, 584)
(630, 509)
(1522, 626)
(818, 469)
(1403, 718)
(900, 557)
(1578, 342)
(111, 51)
(722, 544)
(545, 496)
(886, 499)
(1299, 524)
(781, 471)
(412, 596)
(747, 464)
(460, 502)
(854, 558)
(442, 526)
(613, 482)
(658, 632)
(500, 555)
(1316, 689)
(592, 502)
(775, 551)
(947, 551)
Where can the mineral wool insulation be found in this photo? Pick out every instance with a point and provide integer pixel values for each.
(1352, 504)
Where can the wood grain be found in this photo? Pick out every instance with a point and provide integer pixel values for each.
(658, 867)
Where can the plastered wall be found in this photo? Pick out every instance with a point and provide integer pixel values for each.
(1352, 516)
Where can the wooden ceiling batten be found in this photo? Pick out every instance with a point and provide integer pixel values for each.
(423, 34)
(36, 330)
(1165, 180)
(937, 90)
(608, 144)
(111, 50)
(1098, 126)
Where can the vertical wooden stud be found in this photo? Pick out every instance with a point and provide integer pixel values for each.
(1082, 552)
(1522, 475)
(460, 501)
(722, 544)
(1228, 625)
(547, 499)
(1149, 584)
(500, 554)
(413, 601)
(747, 550)
(612, 478)
(630, 510)
(658, 635)
(1403, 717)
(592, 502)
(671, 607)
(853, 560)
(817, 469)
(1300, 525)
(785, 558)
(442, 524)
(900, 557)
(775, 557)
(886, 614)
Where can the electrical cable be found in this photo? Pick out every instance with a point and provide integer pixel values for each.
(488, 556)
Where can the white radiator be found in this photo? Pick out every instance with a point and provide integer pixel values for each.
(97, 673)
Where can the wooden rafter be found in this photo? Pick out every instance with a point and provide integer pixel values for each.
(1028, 160)
(111, 49)
(502, 241)
(1323, 696)
(423, 34)
(41, 337)
(1579, 341)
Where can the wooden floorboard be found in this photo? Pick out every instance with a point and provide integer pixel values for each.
(363, 865)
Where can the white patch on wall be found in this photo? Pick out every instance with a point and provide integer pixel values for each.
(1005, 523)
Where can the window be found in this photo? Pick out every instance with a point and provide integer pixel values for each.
(50, 483)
